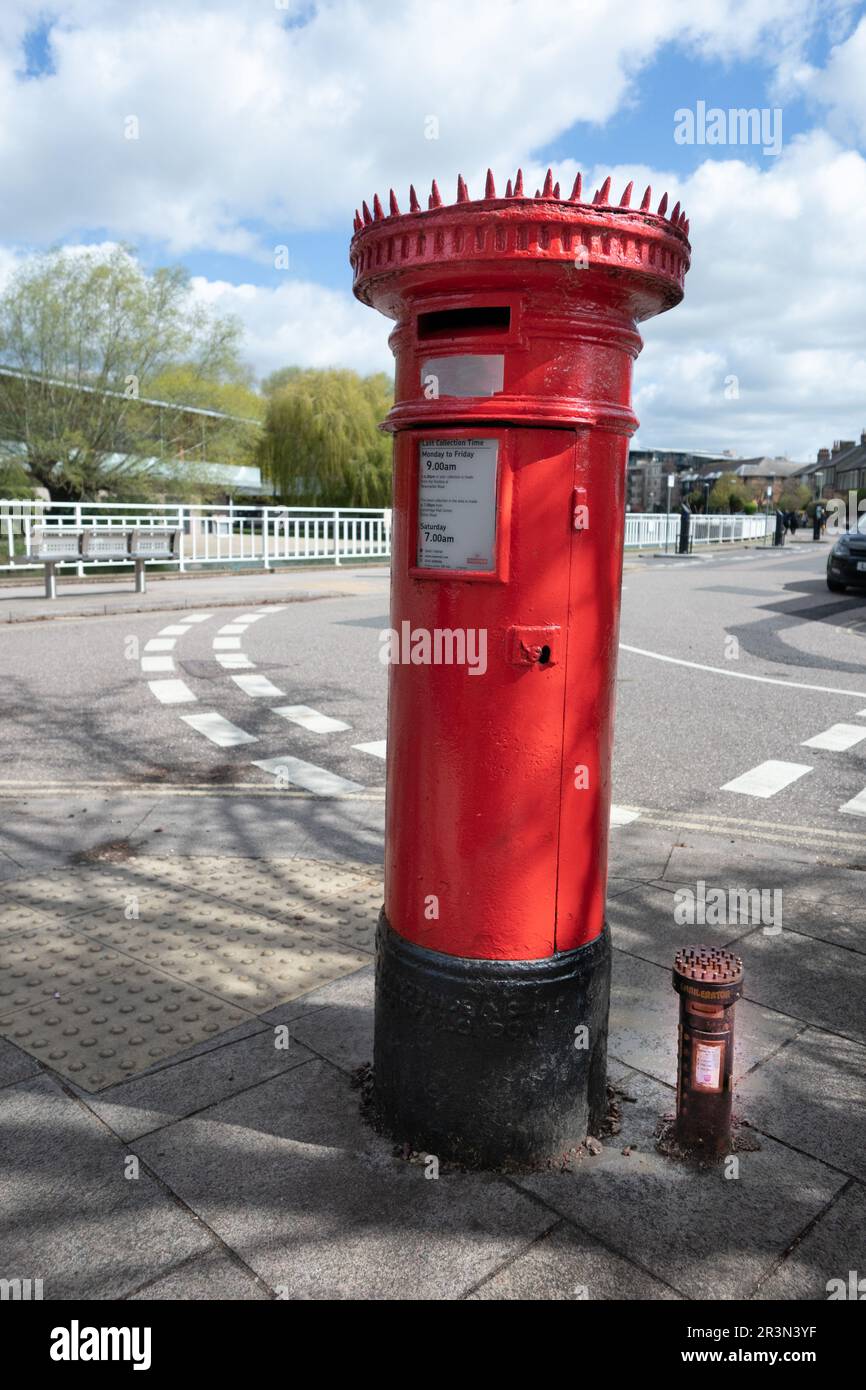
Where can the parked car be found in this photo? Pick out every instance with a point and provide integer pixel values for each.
(846, 563)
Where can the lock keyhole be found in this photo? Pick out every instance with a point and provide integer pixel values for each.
(544, 655)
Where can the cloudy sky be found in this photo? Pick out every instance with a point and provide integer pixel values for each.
(259, 124)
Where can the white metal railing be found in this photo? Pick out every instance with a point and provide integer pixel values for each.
(212, 534)
(645, 530)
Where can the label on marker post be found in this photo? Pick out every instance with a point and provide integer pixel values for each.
(457, 504)
(707, 1071)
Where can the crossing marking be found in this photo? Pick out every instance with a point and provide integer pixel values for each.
(219, 730)
(856, 806)
(197, 617)
(261, 687)
(160, 644)
(172, 692)
(622, 815)
(250, 618)
(234, 661)
(310, 719)
(767, 778)
(376, 749)
(837, 738)
(226, 644)
(156, 663)
(308, 776)
(174, 630)
(232, 629)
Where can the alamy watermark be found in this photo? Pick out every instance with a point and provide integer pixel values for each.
(737, 126)
(717, 907)
(441, 646)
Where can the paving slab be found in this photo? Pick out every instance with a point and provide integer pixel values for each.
(643, 922)
(211, 1276)
(567, 1265)
(705, 1235)
(832, 1250)
(335, 1021)
(812, 1095)
(811, 980)
(740, 862)
(15, 1065)
(293, 1181)
(161, 1097)
(69, 1215)
(644, 1017)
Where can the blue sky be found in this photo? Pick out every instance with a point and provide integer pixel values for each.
(261, 124)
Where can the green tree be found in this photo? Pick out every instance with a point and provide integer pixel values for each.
(794, 497)
(81, 335)
(728, 494)
(321, 445)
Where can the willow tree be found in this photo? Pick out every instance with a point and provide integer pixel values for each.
(321, 446)
(82, 334)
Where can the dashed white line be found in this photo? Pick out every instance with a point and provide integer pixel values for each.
(172, 692)
(174, 630)
(226, 644)
(377, 750)
(310, 719)
(261, 688)
(249, 618)
(219, 730)
(197, 617)
(234, 661)
(156, 663)
(767, 778)
(856, 806)
(837, 738)
(160, 644)
(622, 815)
(308, 776)
(232, 629)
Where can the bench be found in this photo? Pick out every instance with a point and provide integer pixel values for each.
(57, 545)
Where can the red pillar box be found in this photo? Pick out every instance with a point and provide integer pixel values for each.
(514, 341)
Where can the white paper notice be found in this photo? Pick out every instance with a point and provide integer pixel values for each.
(457, 504)
(708, 1065)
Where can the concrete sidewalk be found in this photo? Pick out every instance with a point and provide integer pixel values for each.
(166, 592)
(179, 1036)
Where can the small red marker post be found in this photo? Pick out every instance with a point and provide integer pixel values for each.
(709, 982)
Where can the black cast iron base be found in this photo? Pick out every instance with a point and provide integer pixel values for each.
(485, 1062)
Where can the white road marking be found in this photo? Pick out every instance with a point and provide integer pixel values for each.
(837, 738)
(231, 629)
(250, 618)
(310, 719)
(219, 730)
(160, 644)
(260, 686)
(234, 661)
(156, 663)
(767, 778)
(175, 630)
(226, 644)
(376, 749)
(271, 608)
(622, 815)
(172, 692)
(307, 775)
(197, 617)
(742, 675)
(856, 806)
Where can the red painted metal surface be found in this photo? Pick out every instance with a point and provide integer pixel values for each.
(498, 784)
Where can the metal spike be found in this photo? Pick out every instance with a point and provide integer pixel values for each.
(435, 196)
(378, 214)
(686, 227)
(368, 217)
(509, 192)
(489, 186)
(414, 205)
(392, 204)
(358, 224)
(625, 200)
(556, 192)
(645, 200)
(548, 185)
(574, 195)
(604, 193)
(663, 205)
(675, 214)
(462, 190)
(538, 192)
(518, 184)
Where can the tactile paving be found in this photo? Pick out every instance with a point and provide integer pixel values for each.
(109, 1029)
(248, 959)
(45, 962)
